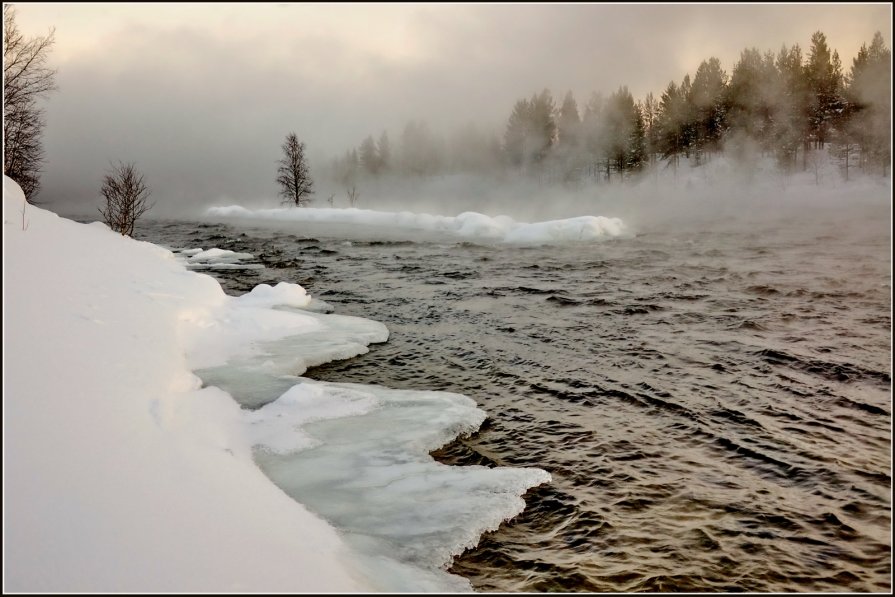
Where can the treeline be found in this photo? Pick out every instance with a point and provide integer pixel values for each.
(787, 105)
(420, 152)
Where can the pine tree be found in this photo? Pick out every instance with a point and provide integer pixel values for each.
(518, 132)
(623, 132)
(771, 88)
(670, 123)
(793, 104)
(569, 123)
(369, 157)
(869, 105)
(687, 116)
(346, 169)
(708, 99)
(543, 126)
(823, 76)
(384, 152)
(592, 130)
(568, 144)
(649, 110)
(636, 139)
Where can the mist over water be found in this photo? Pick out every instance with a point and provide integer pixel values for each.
(711, 395)
(668, 285)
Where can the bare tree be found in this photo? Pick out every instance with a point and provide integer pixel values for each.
(352, 196)
(126, 198)
(26, 79)
(292, 175)
(23, 150)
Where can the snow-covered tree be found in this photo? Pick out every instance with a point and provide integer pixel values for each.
(793, 104)
(670, 123)
(823, 76)
(869, 105)
(708, 98)
(649, 110)
(623, 133)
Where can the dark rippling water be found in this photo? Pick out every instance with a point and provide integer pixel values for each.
(713, 399)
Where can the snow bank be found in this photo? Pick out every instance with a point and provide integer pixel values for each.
(121, 474)
(469, 226)
(370, 474)
(140, 401)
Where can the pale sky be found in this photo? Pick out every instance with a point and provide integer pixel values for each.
(202, 95)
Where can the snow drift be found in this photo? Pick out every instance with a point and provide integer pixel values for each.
(124, 472)
(121, 473)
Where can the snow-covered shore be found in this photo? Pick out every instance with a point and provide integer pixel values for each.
(124, 472)
(120, 472)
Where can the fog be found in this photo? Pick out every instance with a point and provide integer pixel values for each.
(202, 96)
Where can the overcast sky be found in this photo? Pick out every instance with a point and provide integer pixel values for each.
(202, 95)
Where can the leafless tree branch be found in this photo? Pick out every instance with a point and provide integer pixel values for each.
(352, 196)
(26, 79)
(292, 174)
(126, 197)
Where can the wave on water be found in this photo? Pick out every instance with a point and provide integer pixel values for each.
(469, 226)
